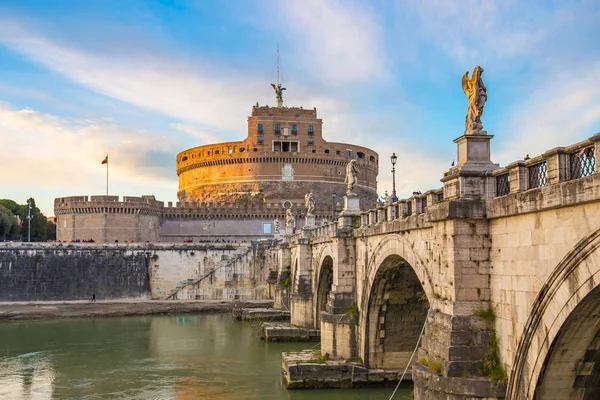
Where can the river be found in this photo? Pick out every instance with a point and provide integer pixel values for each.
(208, 356)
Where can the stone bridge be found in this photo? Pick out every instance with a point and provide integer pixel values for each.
(502, 265)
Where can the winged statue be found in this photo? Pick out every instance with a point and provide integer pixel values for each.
(476, 93)
(278, 91)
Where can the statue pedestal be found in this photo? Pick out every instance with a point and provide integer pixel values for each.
(469, 178)
(350, 212)
(473, 149)
(351, 204)
(310, 221)
(289, 231)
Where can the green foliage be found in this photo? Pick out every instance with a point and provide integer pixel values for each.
(487, 314)
(285, 283)
(434, 365)
(353, 309)
(9, 224)
(317, 360)
(41, 228)
(492, 367)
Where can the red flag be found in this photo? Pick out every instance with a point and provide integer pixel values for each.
(105, 161)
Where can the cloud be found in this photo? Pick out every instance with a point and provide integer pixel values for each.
(205, 136)
(153, 81)
(563, 109)
(60, 156)
(478, 31)
(340, 41)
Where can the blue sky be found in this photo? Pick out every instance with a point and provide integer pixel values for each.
(143, 80)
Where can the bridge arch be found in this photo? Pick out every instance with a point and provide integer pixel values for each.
(323, 279)
(565, 314)
(394, 303)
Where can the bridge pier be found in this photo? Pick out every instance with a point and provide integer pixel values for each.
(282, 288)
(301, 300)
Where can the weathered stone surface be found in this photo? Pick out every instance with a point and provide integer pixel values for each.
(282, 332)
(300, 371)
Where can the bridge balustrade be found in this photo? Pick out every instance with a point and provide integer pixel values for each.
(557, 165)
(372, 217)
(364, 219)
(381, 214)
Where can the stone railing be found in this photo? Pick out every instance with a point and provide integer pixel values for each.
(401, 209)
(557, 165)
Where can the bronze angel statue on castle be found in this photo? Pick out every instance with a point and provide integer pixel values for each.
(278, 93)
(477, 96)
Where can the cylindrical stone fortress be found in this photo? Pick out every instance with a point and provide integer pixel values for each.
(283, 158)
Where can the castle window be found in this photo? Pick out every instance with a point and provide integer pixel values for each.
(348, 153)
(372, 158)
(326, 151)
(310, 130)
(337, 152)
(294, 129)
(285, 146)
(260, 140)
(260, 128)
(360, 155)
(277, 128)
(255, 149)
(297, 115)
(184, 158)
(310, 140)
(242, 149)
(217, 152)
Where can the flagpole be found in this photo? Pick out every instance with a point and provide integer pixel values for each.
(107, 175)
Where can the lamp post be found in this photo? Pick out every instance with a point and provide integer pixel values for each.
(333, 207)
(393, 159)
(29, 220)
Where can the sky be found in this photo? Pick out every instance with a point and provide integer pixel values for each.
(143, 80)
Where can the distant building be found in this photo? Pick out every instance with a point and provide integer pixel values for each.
(233, 190)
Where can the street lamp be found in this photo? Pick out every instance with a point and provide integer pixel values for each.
(29, 220)
(393, 158)
(333, 207)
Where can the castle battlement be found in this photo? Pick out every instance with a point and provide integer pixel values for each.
(293, 112)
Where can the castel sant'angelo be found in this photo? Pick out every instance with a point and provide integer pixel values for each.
(234, 190)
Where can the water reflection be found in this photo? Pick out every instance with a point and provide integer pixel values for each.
(160, 357)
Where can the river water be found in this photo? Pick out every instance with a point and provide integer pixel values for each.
(151, 357)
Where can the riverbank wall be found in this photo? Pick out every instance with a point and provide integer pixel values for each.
(75, 271)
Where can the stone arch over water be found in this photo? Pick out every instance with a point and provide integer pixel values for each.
(394, 304)
(323, 287)
(557, 351)
(396, 311)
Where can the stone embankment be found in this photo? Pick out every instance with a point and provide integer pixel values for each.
(18, 311)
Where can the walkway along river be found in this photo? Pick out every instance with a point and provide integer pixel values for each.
(207, 356)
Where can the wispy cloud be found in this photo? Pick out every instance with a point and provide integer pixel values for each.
(157, 82)
(564, 109)
(338, 41)
(51, 153)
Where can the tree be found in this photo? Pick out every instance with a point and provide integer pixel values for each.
(39, 222)
(9, 224)
(50, 230)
